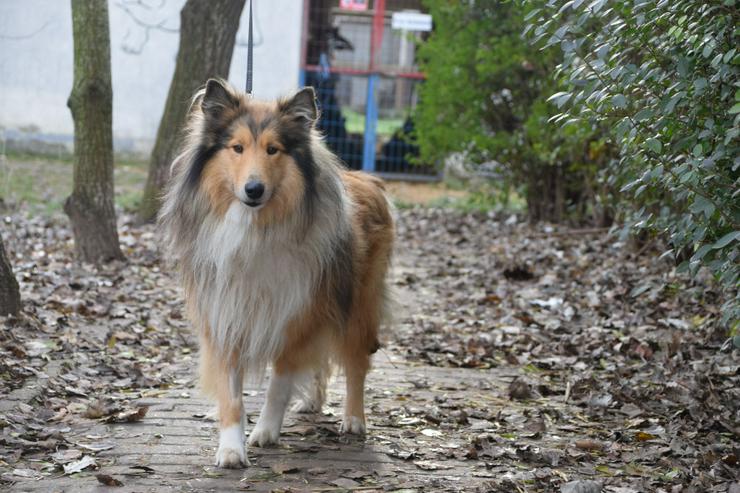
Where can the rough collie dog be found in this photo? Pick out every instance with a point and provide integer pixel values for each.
(283, 255)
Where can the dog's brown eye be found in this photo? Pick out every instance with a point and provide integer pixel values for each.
(271, 150)
(238, 148)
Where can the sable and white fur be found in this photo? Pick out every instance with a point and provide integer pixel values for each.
(295, 279)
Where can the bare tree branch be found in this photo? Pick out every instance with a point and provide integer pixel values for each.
(126, 5)
(26, 36)
(144, 5)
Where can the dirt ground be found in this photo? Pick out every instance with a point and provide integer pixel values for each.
(521, 359)
(423, 194)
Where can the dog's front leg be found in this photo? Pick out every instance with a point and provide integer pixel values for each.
(279, 391)
(231, 452)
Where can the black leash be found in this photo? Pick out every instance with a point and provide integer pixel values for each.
(249, 51)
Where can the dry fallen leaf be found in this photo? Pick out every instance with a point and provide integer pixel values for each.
(66, 456)
(284, 468)
(401, 454)
(80, 465)
(345, 483)
(582, 486)
(355, 474)
(108, 480)
(519, 389)
(25, 473)
(97, 446)
(643, 436)
(588, 444)
(429, 465)
(127, 416)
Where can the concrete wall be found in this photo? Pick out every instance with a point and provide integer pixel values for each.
(36, 63)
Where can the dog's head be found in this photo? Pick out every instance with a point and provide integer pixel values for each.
(255, 152)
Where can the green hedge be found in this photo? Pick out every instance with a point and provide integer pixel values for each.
(664, 76)
(485, 96)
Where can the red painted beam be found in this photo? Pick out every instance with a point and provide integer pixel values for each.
(376, 36)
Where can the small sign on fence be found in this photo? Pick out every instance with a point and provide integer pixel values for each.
(411, 21)
(353, 4)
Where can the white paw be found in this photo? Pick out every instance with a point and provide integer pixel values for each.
(231, 458)
(264, 434)
(231, 453)
(352, 425)
(306, 406)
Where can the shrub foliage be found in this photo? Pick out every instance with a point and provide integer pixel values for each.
(664, 76)
(485, 96)
(632, 103)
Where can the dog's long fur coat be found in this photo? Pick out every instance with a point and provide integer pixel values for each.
(283, 256)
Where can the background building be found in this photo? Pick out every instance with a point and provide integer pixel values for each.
(36, 64)
(353, 51)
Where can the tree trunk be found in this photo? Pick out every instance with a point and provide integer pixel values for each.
(546, 194)
(90, 207)
(10, 298)
(207, 37)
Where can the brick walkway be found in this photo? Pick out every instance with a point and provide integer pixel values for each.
(410, 445)
(172, 449)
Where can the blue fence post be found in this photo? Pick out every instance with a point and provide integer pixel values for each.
(371, 123)
(301, 78)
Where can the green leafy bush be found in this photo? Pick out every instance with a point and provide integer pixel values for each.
(485, 97)
(663, 75)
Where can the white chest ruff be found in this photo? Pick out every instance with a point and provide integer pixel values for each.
(250, 285)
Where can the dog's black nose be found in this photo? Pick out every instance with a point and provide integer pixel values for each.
(254, 189)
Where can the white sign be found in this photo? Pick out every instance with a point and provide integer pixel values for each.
(411, 21)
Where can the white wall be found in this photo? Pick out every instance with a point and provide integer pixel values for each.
(36, 62)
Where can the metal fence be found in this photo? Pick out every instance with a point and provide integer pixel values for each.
(367, 79)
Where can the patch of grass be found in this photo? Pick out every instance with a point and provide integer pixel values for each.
(456, 195)
(19, 155)
(42, 183)
(479, 201)
(36, 182)
(355, 122)
(454, 183)
(130, 177)
(129, 201)
(401, 204)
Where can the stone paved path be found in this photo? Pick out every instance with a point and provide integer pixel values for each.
(172, 449)
(624, 397)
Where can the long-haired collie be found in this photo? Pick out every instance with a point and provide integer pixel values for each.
(283, 255)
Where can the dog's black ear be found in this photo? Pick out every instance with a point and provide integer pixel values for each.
(302, 107)
(217, 98)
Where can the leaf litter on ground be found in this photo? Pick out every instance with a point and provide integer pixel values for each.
(591, 380)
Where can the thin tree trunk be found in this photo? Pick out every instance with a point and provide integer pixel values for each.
(10, 298)
(546, 194)
(207, 37)
(90, 207)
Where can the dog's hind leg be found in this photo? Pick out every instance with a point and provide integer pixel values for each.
(359, 343)
(313, 390)
(267, 430)
(355, 370)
